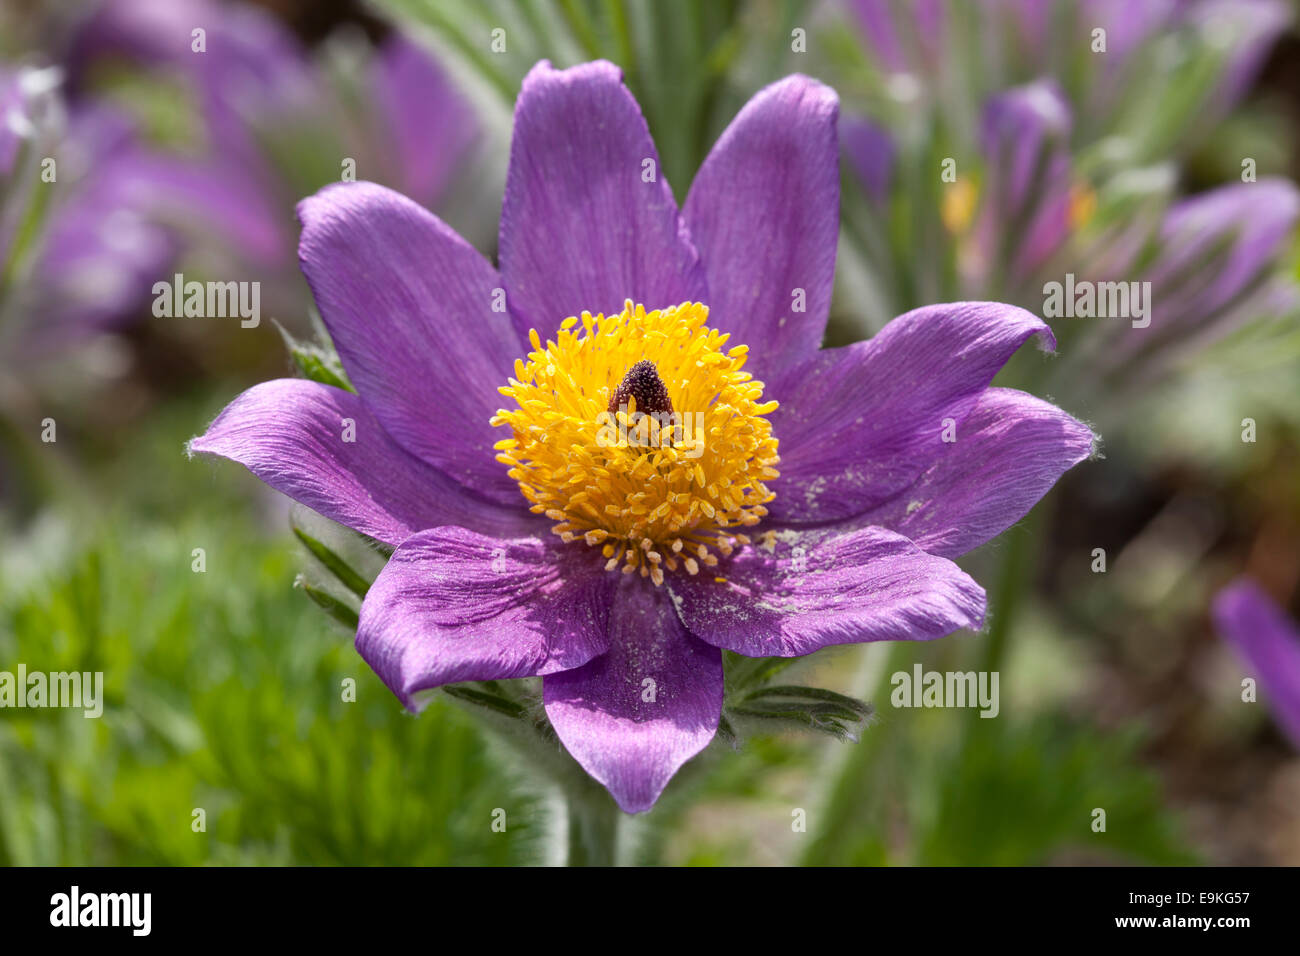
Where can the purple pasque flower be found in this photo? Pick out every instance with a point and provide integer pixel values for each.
(1217, 247)
(513, 435)
(102, 248)
(1025, 206)
(871, 154)
(1013, 209)
(1213, 261)
(259, 97)
(1268, 642)
(233, 62)
(988, 44)
(91, 252)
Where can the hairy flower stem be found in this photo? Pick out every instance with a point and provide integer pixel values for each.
(841, 817)
(1019, 559)
(593, 829)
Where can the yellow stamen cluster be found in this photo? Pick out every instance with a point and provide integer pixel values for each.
(670, 497)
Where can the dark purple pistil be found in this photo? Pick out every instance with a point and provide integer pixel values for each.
(643, 383)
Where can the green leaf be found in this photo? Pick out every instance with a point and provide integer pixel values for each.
(316, 362)
(747, 672)
(314, 367)
(26, 236)
(850, 704)
(727, 732)
(332, 606)
(831, 718)
(481, 698)
(350, 579)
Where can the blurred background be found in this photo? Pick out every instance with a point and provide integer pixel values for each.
(1161, 149)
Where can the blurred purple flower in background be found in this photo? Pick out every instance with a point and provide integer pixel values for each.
(1268, 643)
(870, 154)
(148, 139)
(101, 248)
(79, 248)
(1213, 266)
(1025, 206)
(270, 122)
(854, 540)
(975, 48)
(1070, 172)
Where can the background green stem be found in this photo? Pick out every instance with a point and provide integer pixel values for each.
(593, 829)
(842, 811)
(1015, 570)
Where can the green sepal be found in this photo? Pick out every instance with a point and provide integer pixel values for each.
(472, 694)
(814, 708)
(317, 363)
(850, 704)
(331, 605)
(350, 579)
(745, 673)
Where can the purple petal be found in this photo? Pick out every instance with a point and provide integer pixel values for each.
(290, 433)
(764, 213)
(1026, 208)
(1251, 222)
(453, 605)
(1015, 127)
(98, 262)
(871, 154)
(409, 305)
(1032, 21)
(1128, 25)
(251, 60)
(633, 716)
(912, 37)
(817, 589)
(1211, 271)
(1250, 27)
(214, 195)
(102, 249)
(428, 122)
(864, 421)
(1009, 452)
(253, 68)
(876, 21)
(580, 228)
(1269, 643)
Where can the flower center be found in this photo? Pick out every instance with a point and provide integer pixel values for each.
(640, 434)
